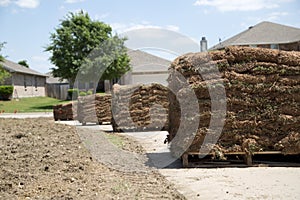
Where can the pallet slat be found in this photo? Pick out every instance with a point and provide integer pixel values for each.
(248, 159)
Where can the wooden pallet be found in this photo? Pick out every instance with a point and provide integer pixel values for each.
(248, 157)
(84, 123)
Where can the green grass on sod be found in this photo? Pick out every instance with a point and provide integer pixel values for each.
(32, 104)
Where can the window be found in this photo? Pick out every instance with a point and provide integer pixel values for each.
(35, 82)
(274, 46)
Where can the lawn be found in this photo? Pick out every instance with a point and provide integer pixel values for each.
(32, 104)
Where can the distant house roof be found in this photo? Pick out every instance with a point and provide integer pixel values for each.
(263, 33)
(54, 80)
(14, 67)
(140, 58)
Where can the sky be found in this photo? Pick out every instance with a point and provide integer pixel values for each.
(26, 25)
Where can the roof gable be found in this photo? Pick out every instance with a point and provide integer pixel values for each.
(263, 33)
(141, 60)
(55, 80)
(14, 67)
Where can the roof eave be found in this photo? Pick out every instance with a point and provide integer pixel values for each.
(32, 74)
(216, 47)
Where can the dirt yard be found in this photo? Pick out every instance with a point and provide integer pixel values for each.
(43, 160)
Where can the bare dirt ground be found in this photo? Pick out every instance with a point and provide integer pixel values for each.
(43, 160)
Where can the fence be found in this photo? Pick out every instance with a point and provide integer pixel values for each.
(58, 91)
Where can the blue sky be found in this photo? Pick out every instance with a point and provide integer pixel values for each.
(26, 24)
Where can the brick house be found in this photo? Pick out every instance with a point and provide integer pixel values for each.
(265, 35)
(26, 82)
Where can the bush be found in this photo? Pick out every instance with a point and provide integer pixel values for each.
(73, 94)
(81, 93)
(90, 92)
(6, 92)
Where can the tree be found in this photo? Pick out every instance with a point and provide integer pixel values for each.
(3, 73)
(1, 47)
(23, 63)
(73, 41)
(109, 60)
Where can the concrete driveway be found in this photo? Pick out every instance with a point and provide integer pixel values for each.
(220, 183)
(236, 183)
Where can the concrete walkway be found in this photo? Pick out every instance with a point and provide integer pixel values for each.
(157, 152)
(26, 115)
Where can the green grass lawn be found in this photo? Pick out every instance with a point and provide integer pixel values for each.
(32, 104)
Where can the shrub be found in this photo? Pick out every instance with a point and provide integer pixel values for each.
(73, 94)
(6, 92)
(90, 92)
(81, 93)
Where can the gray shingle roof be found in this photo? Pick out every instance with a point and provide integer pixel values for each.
(54, 80)
(263, 33)
(14, 67)
(141, 58)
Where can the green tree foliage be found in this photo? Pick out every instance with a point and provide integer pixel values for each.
(23, 63)
(3, 73)
(73, 41)
(109, 60)
(1, 47)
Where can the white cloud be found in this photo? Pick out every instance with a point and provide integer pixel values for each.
(241, 5)
(28, 3)
(101, 17)
(40, 63)
(61, 7)
(120, 28)
(5, 2)
(159, 39)
(206, 12)
(273, 17)
(40, 58)
(74, 1)
(21, 3)
(15, 11)
(153, 37)
(172, 28)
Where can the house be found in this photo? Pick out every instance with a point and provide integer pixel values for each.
(265, 35)
(146, 68)
(56, 88)
(26, 82)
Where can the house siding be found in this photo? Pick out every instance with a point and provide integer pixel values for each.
(285, 47)
(148, 78)
(26, 85)
(290, 47)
